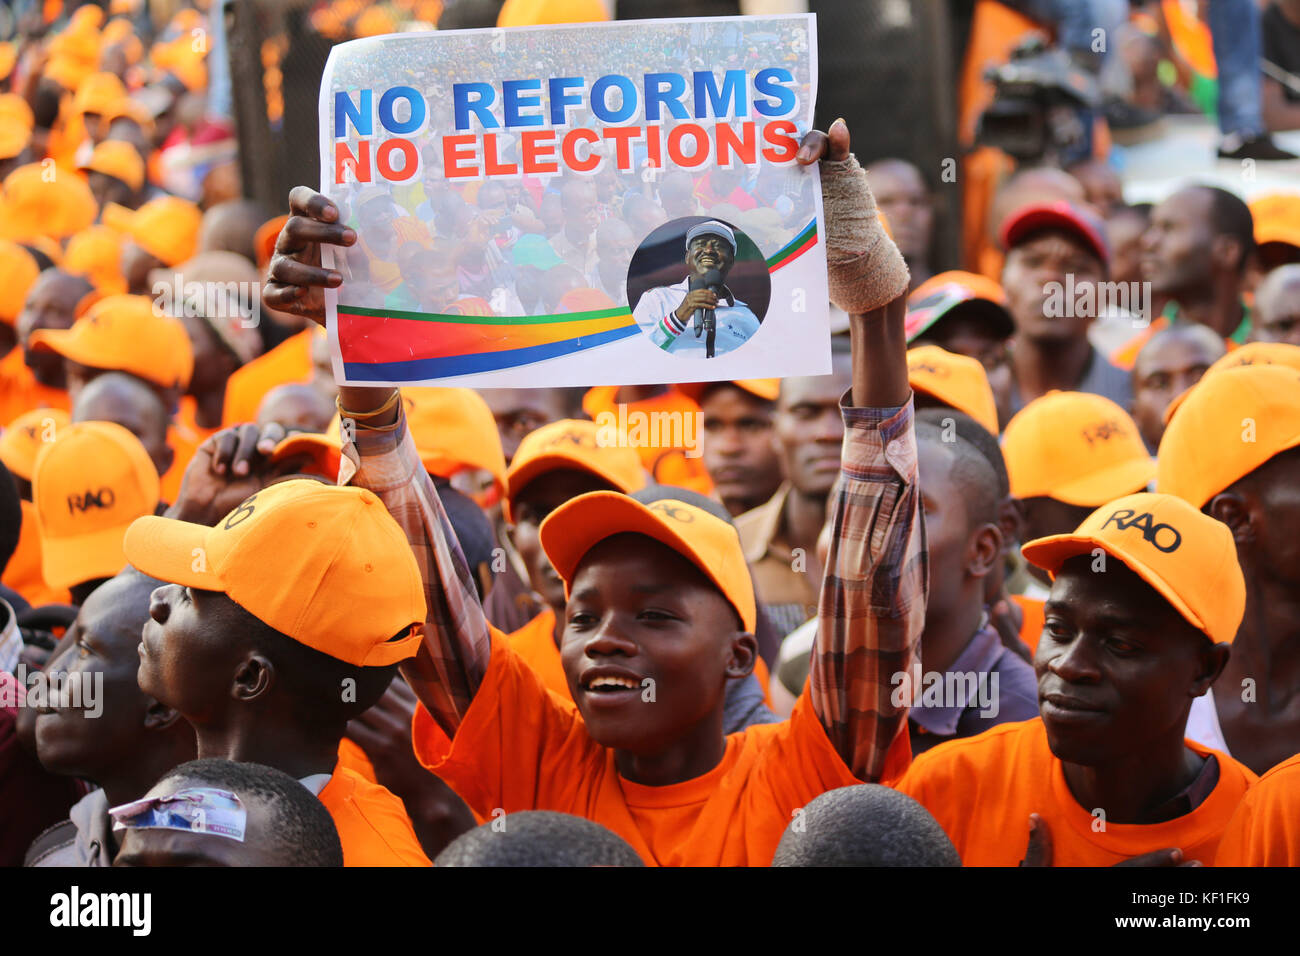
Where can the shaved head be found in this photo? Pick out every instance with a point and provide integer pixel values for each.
(1038, 184)
(230, 226)
(131, 403)
(1277, 306)
(296, 407)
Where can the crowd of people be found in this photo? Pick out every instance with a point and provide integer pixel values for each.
(1016, 583)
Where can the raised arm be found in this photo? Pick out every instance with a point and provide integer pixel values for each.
(381, 457)
(872, 605)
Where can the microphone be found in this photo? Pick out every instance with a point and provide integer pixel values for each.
(712, 279)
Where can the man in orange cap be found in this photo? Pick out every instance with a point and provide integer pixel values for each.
(966, 313)
(1277, 307)
(37, 379)
(123, 333)
(943, 379)
(1232, 449)
(661, 606)
(780, 536)
(1067, 453)
(89, 484)
(115, 174)
(554, 465)
(1146, 597)
(252, 645)
(737, 440)
(162, 232)
(127, 333)
(1172, 361)
(1057, 256)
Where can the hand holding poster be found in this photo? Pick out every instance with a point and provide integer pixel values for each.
(588, 204)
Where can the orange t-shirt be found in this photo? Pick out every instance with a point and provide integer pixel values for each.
(355, 759)
(288, 362)
(23, 573)
(535, 643)
(520, 749)
(372, 823)
(184, 437)
(982, 789)
(1265, 830)
(1031, 623)
(20, 392)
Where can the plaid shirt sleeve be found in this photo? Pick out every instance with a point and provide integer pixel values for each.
(872, 604)
(453, 657)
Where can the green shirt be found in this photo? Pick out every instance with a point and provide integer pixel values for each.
(1240, 336)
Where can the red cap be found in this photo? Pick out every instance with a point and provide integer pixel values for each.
(1056, 215)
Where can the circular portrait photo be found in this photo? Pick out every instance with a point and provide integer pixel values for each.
(698, 287)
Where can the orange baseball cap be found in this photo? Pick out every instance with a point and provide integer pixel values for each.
(1187, 556)
(15, 109)
(572, 443)
(65, 69)
(18, 272)
(1076, 447)
(453, 429)
(25, 436)
(96, 253)
(323, 564)
(88, 485)
(1252, 353)
(264, 240)
(940, 294)
(1229, 424)
(99, 93)
(1277, 218)
(768, 389)
(119, 159)
(956, 380)
(167, 227)
(14, 138)
(34, 203)
(126, 334)
(705, 540)
(312, 453)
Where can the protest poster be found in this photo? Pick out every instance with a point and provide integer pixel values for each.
(535, 205)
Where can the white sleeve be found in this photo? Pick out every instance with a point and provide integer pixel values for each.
(654, 313)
